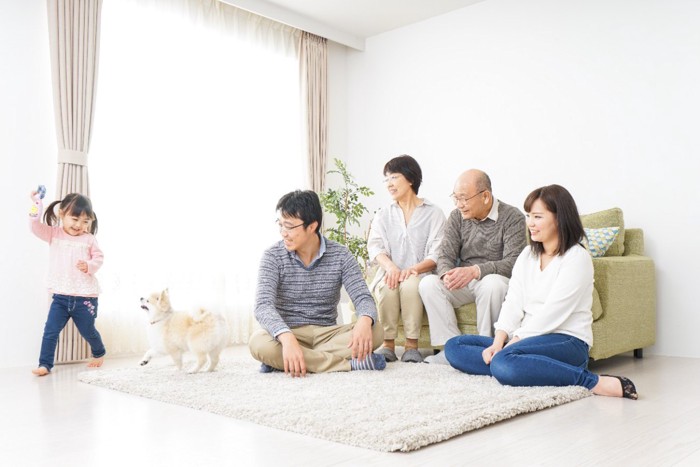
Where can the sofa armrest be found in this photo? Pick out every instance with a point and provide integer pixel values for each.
(626, 286)
(634, 242)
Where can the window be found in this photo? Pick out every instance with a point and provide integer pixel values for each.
(196, 136)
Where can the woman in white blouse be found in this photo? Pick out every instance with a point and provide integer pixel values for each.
(544, 333)
(403, 241)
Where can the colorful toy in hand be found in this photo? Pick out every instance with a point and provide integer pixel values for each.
(39, 195)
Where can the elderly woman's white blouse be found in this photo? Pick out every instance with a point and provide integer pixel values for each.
(406, 245)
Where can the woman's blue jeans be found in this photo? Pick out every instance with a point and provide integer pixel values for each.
(547, 360)
(83, 311)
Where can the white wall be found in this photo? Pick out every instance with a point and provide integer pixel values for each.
(28, 155)
(599, 96)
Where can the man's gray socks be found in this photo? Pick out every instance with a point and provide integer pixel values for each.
(372, 361)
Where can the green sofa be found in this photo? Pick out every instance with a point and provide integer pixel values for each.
(624, 295)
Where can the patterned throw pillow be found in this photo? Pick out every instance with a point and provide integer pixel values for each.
(599, 240)
(608, 217)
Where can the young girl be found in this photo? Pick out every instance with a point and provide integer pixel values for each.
(74, 259)
(544, 332)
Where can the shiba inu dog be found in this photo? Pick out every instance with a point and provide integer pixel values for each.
(174, 332)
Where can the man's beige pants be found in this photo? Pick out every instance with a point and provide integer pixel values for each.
(325, 348)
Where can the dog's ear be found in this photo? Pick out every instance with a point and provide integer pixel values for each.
(164, 299)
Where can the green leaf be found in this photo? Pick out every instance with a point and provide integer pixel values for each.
(346, 204)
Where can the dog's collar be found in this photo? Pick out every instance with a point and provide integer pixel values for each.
(158, 321)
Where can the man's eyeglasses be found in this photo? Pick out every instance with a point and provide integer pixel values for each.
(463, 199)
(287, 228)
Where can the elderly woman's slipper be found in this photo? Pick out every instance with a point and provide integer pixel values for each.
(412, 356)
(389, 355)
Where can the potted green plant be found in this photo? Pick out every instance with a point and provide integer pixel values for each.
(346, 204)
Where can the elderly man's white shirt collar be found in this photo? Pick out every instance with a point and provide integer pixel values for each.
(493, 213)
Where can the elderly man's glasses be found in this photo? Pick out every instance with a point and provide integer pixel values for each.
(463, 199)
(287, 228)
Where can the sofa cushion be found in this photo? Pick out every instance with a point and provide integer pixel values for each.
(598, 241)
(608, 218)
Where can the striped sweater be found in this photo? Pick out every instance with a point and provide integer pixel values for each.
(290, 295)
(493, 245)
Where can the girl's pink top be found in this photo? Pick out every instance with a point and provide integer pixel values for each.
(64, 253)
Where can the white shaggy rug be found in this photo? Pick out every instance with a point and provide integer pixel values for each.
(403, 408)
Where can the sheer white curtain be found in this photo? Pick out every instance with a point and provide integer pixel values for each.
(197, 135)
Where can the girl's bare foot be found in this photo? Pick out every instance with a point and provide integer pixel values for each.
(96, 362)
(41, 371)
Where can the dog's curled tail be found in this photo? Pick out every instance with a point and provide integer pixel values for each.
(200, 314)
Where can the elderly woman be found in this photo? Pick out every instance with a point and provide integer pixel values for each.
(544, 333)
(403, 241)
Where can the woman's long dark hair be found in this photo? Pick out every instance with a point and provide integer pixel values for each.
(559, 202)
(73, 204)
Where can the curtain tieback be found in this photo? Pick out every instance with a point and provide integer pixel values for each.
(68, 156)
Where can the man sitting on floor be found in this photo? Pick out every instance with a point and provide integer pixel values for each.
(297, 299)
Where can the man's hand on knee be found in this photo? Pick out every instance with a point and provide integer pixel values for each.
(361, 339)
(294, 363)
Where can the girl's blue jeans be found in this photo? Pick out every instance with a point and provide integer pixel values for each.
(547, 360)
(83, 311)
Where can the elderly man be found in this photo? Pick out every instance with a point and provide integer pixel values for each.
(483, 237)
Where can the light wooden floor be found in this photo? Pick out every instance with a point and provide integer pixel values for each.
(59, 421)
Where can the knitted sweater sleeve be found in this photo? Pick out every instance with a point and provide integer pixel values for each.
(357, 289)
(451, 243)
(266, 294)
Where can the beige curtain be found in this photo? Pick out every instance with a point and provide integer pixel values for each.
(74, 37)
(313, 69)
